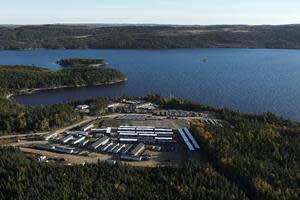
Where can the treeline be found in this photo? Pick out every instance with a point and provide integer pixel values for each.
(18, 119)
(148, 37)
(24, 178)
(80, 62)
(261, 154)
(15, 118)
(30, 77)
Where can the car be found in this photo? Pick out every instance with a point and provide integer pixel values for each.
(146, 157)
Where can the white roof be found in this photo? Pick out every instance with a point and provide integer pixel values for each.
(128, 139)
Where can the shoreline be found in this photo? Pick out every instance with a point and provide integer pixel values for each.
(34, 90)
(151, 49)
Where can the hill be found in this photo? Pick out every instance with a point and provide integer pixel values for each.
(148, 36)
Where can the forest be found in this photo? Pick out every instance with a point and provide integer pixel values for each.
(16, 78)
(81, 62)
(148, 37)
(252, 156)
(24, 178)
(259, 153)
(19, 119)
(15, 118)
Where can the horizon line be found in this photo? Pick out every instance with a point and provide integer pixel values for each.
(144, 24)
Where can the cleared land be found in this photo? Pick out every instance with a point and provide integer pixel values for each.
(177, 156)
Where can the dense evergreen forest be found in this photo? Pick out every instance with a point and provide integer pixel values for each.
(80, 62)
(19, 119)
(259, 153)
(14, 78)
(15, 118)
(148, 37)
(24, 178)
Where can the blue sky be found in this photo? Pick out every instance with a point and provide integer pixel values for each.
(150, 11)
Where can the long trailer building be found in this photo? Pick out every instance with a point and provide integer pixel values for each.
(61, 149)
(185, 140)
(49, 136)
(78, 140)
(191, 138)
(87, 127)
(100, 142)
(119, 148)
(67, 139)
(129, 140)
(101, 130)
(77, 133)
(84, 142)
(138, 149)
(106, 146)
(131, 158)
(45, 147)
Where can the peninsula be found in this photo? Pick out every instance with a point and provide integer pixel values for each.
(75, 73)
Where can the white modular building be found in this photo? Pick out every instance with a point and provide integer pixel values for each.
(105, 147)
(113, 147)
(82, 107)
(119, 148)
(49, 136)
(61, 149)
(128, 134)
(78, 140)
(138, 149)
(147, 135)
(67, 139)
(87, 127)
(163, 130)
(100, 142)
(84, 142)
(77, 133)
(126, 129)
(129, 140)
(127, 148)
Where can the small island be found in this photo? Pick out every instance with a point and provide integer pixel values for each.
(82, 62)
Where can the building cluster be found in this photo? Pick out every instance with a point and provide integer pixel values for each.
(127, 151)
(146, 134)
(102, 140)
(132, 106)
(126, 142)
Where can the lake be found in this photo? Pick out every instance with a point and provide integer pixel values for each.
(251, 80)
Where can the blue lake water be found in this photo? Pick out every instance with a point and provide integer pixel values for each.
(251, 80)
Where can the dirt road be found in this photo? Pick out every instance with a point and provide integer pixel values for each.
(86, 120)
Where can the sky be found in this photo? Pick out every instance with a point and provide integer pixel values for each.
(202, 12)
